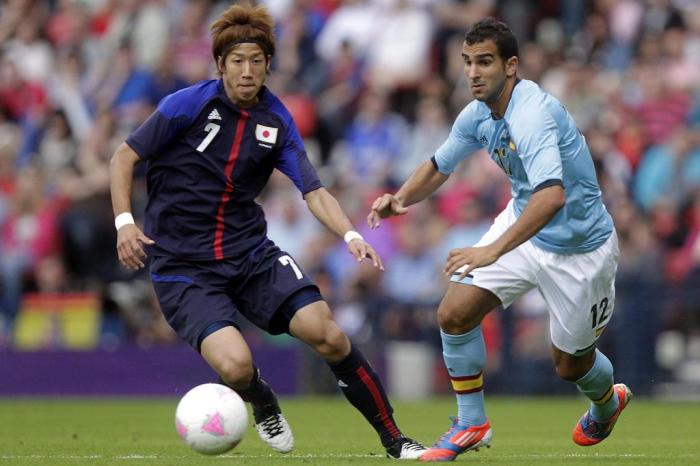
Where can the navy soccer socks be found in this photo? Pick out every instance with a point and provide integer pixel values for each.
(363, 389)
(259, 394)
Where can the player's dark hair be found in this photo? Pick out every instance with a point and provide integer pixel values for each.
(242, 24)
(500, 33)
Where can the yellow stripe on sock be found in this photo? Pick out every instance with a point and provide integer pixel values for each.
(605, 398)
(468, 384)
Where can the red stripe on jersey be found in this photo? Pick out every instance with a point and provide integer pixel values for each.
(226, 195)
(378, 402)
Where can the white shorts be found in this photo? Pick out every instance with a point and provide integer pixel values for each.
(579, 289)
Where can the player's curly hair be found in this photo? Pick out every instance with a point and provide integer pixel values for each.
(242, 23)
(492, 29)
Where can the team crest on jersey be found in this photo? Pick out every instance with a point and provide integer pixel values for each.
(266, 134)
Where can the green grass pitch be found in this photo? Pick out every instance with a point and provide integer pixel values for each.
(329, 432)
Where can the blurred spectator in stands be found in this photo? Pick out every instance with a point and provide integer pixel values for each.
(398, 57)
(355, 22)
(191, 46)
(58, 150)
(681, 69)
(67, 92)
(125, 89)
(289, 223)
(30, 52)
(68, 24)
(343, 84)
(28, 234)
(470, 226)
(371, 143)
(150, 33)
(166, 79)
(410, 275)
(661, 109)
(88, 223)
(669, 171)
(296, 60)
(430, 129)
(22, 100)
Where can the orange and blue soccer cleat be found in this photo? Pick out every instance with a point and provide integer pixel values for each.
(457, 440)
(589, 431)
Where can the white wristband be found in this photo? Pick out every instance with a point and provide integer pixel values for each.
(351, 235)
(123, 219)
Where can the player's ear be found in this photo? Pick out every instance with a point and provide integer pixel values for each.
(268, 59)
(220, 64)
(511, 66)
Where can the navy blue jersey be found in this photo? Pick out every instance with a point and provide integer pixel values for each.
(207, 161)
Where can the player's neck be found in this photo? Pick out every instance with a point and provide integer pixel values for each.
(499, 106)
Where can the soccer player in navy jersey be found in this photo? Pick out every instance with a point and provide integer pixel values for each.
(555, 235)
(209, 150)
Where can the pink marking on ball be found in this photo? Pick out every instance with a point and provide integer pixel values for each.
(181, 429)
(213, 425)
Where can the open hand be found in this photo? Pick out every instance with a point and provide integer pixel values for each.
(385, 206)
(130, 242)
(362, 249)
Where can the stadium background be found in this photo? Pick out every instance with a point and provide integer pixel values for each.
(374, 86)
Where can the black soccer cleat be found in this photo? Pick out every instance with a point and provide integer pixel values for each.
(273, 428)
(405, 448)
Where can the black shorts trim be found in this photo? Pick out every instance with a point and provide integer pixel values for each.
(214, 327)
(279, 323)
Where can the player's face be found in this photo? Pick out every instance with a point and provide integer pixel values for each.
(486, 71)
(244, 70)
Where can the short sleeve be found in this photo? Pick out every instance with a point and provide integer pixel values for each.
(536, 139)
(459, 144)
(294, 162)
(172, 115)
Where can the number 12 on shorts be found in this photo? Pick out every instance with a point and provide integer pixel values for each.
(600, 316)
(286, 260)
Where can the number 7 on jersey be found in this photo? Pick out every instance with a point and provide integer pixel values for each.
(212, 129)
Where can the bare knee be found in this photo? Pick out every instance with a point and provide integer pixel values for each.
(236, 371)
(314, 325)
(331, 343)
(464, 307)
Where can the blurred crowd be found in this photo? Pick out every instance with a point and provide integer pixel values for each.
(374, 86)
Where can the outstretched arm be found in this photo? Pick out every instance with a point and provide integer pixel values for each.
(540, 209)
(130, 239)
(327, 210)
(422, 183)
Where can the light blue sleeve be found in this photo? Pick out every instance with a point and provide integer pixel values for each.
(459, 144)
(536, 139)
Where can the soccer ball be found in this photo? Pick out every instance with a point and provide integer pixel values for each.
(211, 418)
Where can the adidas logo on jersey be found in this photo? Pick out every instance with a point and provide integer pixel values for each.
(214, 115)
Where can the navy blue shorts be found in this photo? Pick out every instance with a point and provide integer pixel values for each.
(197, 297)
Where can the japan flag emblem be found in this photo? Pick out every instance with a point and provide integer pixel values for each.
(266, 134)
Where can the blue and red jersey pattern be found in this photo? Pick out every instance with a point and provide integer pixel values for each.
(207, 161)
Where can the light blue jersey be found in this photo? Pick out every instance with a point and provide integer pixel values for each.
(536, 144)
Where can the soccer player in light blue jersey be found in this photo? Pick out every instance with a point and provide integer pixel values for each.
(555, 235)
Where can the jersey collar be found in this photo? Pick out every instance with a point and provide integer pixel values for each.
(509, 107)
